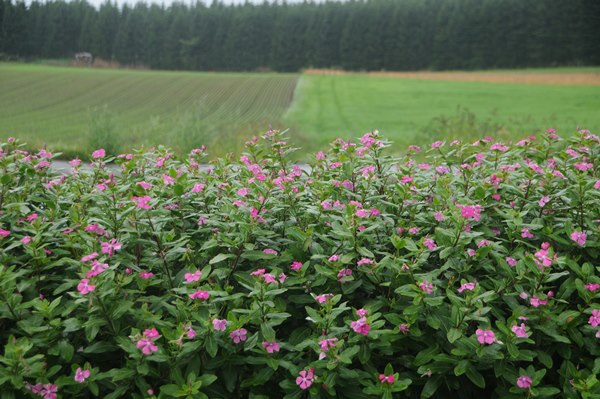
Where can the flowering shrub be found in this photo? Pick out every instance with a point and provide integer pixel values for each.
(471, 270)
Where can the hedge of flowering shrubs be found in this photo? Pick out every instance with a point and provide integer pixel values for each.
(463, 270)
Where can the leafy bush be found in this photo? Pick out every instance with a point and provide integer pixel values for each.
(474, 274)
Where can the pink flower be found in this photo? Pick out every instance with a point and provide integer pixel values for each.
(470, 211)
(524, 382)
(334, 258)
(592, 287)
(430, 244)
(238, 335)
(145, 275)
(219, 324)
(439, 216)
(471, 252)
(144, 185)
(81, 375)
(386, 379)
(99, 153)
(90, 257)
(485, 336)
(579, 238)
(142, 202)
(190, 277)
(271, 346)
(363, 213)
(543, 201)
(404, 328)
(323, 297)
(305, 379)
(84, 287)
(26, 240)
(413, 230)
(437, 144)
(269, 251)
(512, 262)
(525, 233)
(258, 273)
(109, 248)
(542, 257)
(499, 147)
(361, 326)
(520, 331)
(365, 261)
(467, 287)
(594, 319)
(426, 287)
(583, 166)
(199, 295)
(168, 180)
(269, 278)
(282, 277)
(97, 268)
(4, 233)
(147, 346)
(537, 302)
(344, 273)
(362, 312)
(198, 188)
(326, 344)
(597, 185)
(49, 391)
(151, 333)
(191, 333)
(296, 266)
(75, 162)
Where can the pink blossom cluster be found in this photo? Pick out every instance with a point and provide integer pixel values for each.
(361, 326)
(146, 343)
(46, 391)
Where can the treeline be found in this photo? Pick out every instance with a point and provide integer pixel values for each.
(354, 35)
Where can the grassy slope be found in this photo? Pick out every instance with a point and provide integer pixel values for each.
(55, 105)
(349, 105)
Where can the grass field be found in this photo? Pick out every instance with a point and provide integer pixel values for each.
(75, 110)
(42, 104)
(417, 111)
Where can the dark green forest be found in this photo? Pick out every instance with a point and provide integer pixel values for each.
(353, 35)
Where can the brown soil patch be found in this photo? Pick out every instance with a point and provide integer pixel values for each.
(541, 78)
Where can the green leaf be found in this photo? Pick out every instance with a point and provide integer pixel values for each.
(453, 335)
(461, 367)
(66, 350)
(431, 386)
(398, 242)
(211, 346)
(426, 355)
(475, 377)
(220, 258)
(207, 379)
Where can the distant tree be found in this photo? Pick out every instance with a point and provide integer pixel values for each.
(355, 35)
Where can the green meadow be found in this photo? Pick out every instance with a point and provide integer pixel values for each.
(418, 111)
(74, 110)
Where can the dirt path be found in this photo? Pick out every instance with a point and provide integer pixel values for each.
(553, 78)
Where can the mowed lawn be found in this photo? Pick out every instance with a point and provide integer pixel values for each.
(62, 107)
(417, 111)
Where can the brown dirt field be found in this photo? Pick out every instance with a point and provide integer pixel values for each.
(539, 78)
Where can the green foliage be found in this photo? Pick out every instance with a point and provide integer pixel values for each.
(362, 276)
